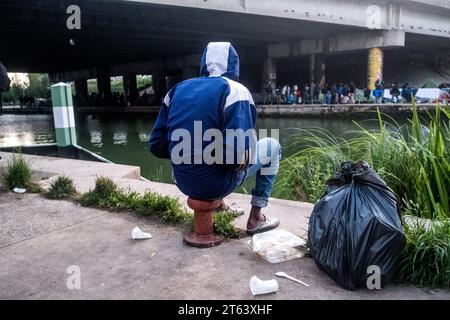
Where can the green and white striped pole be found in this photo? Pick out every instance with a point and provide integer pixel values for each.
(63, 115)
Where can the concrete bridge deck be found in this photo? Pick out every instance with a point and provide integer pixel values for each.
(41, 238)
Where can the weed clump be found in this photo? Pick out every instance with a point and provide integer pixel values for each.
(17, 173)
(61, 188)
(106, 194)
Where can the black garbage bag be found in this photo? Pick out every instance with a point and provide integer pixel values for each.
(356, 224)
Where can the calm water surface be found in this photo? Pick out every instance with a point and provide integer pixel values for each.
(123, 138)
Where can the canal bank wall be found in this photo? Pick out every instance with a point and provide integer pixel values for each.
(338, 110)
(295, 110)
(19, 110)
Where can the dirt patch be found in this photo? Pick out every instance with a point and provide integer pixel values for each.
(41, 175)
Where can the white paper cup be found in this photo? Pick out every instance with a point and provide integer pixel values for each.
(258, 286)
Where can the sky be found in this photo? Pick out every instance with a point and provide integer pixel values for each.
(21, 78)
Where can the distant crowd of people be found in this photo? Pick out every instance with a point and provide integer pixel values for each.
(98, 100)
(145, 97)
(342, 93)
(26, 101)
(394, 90)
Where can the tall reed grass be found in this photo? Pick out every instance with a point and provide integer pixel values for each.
(413, 159)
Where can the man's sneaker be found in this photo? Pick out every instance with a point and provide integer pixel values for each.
(234, 210)
(263, 226)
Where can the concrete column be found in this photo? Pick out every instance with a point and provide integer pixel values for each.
(320, 70)
(81, 92)
(104, 87)
(130, 88)
(374, 66)
(63, 115)
(270, 71)
(312, 74)
(159, 84)
(172, 80)
(190, 72)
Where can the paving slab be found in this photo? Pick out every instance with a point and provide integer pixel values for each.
(30, 216)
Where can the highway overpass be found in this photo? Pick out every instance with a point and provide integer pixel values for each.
(278, 40)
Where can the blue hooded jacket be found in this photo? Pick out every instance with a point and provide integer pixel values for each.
(212, 101)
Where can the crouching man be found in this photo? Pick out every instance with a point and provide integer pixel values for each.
(206, 126)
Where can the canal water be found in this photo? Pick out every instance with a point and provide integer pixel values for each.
(123, 138)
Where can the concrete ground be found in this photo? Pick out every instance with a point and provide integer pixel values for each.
(40, 239)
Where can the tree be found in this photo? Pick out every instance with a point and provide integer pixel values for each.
(14, 93)
(17, 88)
(38, 86)
(35, 85)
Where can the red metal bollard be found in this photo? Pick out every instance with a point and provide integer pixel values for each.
(203, 235)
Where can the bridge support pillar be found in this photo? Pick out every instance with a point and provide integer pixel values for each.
(270, 72)
(159, 84)
(81, 92)
(312, 74)
(104, 87)
(190, 72)
(320, 70)
(130, 88)
(375, 59)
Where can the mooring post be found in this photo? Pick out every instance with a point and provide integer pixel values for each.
(203, 235)
(63, 115)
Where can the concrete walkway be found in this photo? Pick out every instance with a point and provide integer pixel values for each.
(41, 238)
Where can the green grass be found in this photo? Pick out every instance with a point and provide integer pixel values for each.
(302, 176)
(414, 160)
(426, 258)
(17, 173)
(61, 188)
(106, 194)
(100, 196)
(223, 223)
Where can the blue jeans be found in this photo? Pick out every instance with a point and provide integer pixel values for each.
(268, 151)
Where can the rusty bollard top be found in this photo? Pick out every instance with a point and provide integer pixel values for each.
(201, 205)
